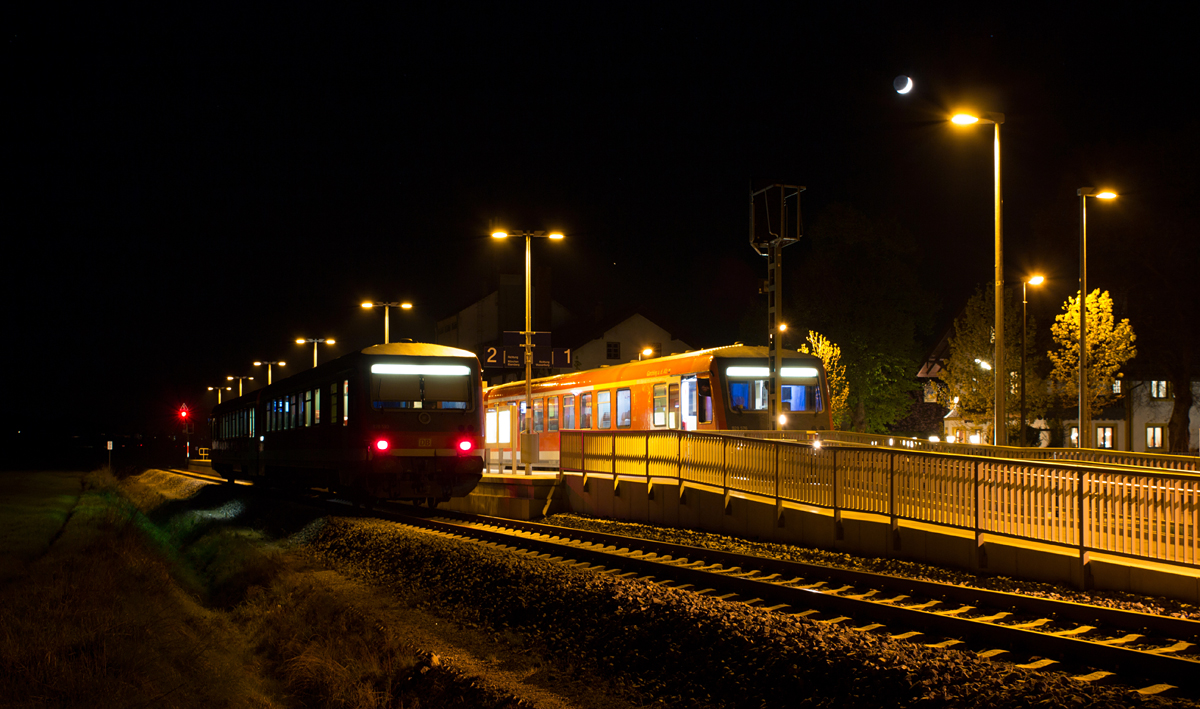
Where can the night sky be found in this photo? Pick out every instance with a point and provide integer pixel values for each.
(190, 188)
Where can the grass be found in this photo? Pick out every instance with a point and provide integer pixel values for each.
(150, 592)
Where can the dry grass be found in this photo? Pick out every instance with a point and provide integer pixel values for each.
(191, 610)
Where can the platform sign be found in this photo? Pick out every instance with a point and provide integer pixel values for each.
(514, 357)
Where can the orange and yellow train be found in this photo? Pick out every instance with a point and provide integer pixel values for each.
(718, 389)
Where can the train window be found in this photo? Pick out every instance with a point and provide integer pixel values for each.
(552, 413)
(800, 397)
(537, 415)
(420, 386)
(585, 410)
(604, 409)
(660, 404)
(568, 419)
(251, 422)
(704, 396)
(346, 402)
(333, 402)
(673, 405)
(521, 418)
(624, 409)
(308, 397)
(317, 406)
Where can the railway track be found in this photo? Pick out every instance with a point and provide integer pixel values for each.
(1152, 654)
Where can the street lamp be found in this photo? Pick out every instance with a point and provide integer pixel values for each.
(386, 305)
(529, 235)
(964, 119)
(279, 362)
(239, 381)
(315, 341)
(645, 352)
(1084, 193)
(1035, 281)
(219, 390)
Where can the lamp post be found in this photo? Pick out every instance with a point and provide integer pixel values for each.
(529, 235)
(279, 362)
(646, 352)
(386, 305)
(218, 390)
(1035, 281)
(963, 119)
(315, 341)
(1084, 193)
(239, 381)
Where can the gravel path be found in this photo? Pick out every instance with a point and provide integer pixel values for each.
(662, 647)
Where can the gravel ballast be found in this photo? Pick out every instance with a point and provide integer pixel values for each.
(676, 648)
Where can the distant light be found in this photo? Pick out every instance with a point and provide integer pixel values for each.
(934, 439)
(782, 327)
(329, 342)
(381, 444)
(499, 234)
(648, 351)
(1036, 280)
(902, 84)
(299, 342)
(256, 364)
(282, 364)
(964, 119)
(983, 364)
(891, 441)
(368, 305)
(1107, 195)
(817, 443)
(406, 306)
(555, 235)
(229, 378)
(974, 439)
(782, 419)
(951, 438)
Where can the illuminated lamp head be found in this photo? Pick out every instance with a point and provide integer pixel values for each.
(465, 446)
(381, 445)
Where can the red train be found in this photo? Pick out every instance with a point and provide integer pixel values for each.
(401, 421)
(723, 388)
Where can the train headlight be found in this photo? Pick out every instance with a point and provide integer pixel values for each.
(381, 445)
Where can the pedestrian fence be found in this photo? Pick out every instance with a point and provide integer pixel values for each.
(1143, 512)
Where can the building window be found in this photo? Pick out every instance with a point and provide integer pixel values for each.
(1159, 389)
(1074, 435)
(1116, 386)
(1104, 437)
(1154, 436)
(612, 350)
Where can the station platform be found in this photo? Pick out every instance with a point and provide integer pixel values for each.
(519, 496)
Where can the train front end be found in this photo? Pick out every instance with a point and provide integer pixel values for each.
(423, 424)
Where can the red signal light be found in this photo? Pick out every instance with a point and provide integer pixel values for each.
(381, 444)
(183, 412)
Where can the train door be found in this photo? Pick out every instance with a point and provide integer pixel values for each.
(673, 406)
(688, 400)
(704, 402)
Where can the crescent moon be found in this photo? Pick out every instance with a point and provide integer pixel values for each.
(907, 86)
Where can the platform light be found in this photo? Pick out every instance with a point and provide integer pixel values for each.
(964, 119)
(499, 235)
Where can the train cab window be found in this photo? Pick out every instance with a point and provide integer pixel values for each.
(624, 409)
(537, 415)
(568, 417)
(704, 400)
(660, 404)
(417, 386)
(800, 397)
(604, 409)
(552, 413)
(585, 411)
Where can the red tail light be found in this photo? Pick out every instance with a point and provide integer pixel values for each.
(465, 446)
(381, 445)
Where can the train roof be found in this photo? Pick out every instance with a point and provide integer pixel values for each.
(678, 363)
(416, 349)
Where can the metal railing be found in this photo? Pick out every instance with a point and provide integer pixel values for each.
(1145, 513)
(1091, 455)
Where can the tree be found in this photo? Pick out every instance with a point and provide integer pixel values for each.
(1109, 345)
(835, 375)
(856, 280)
(968, 375)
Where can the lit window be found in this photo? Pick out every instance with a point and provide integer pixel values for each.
(1116, 386)
(1154, 436)
(624, 409)
(1104, 436)
(585, 411)
(568, 412)
(1159, 390)
(537, 415)
(612, 350)
(660, 404)
(552, 413)
(604, 409)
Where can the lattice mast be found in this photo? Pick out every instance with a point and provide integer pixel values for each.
(774, 223)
